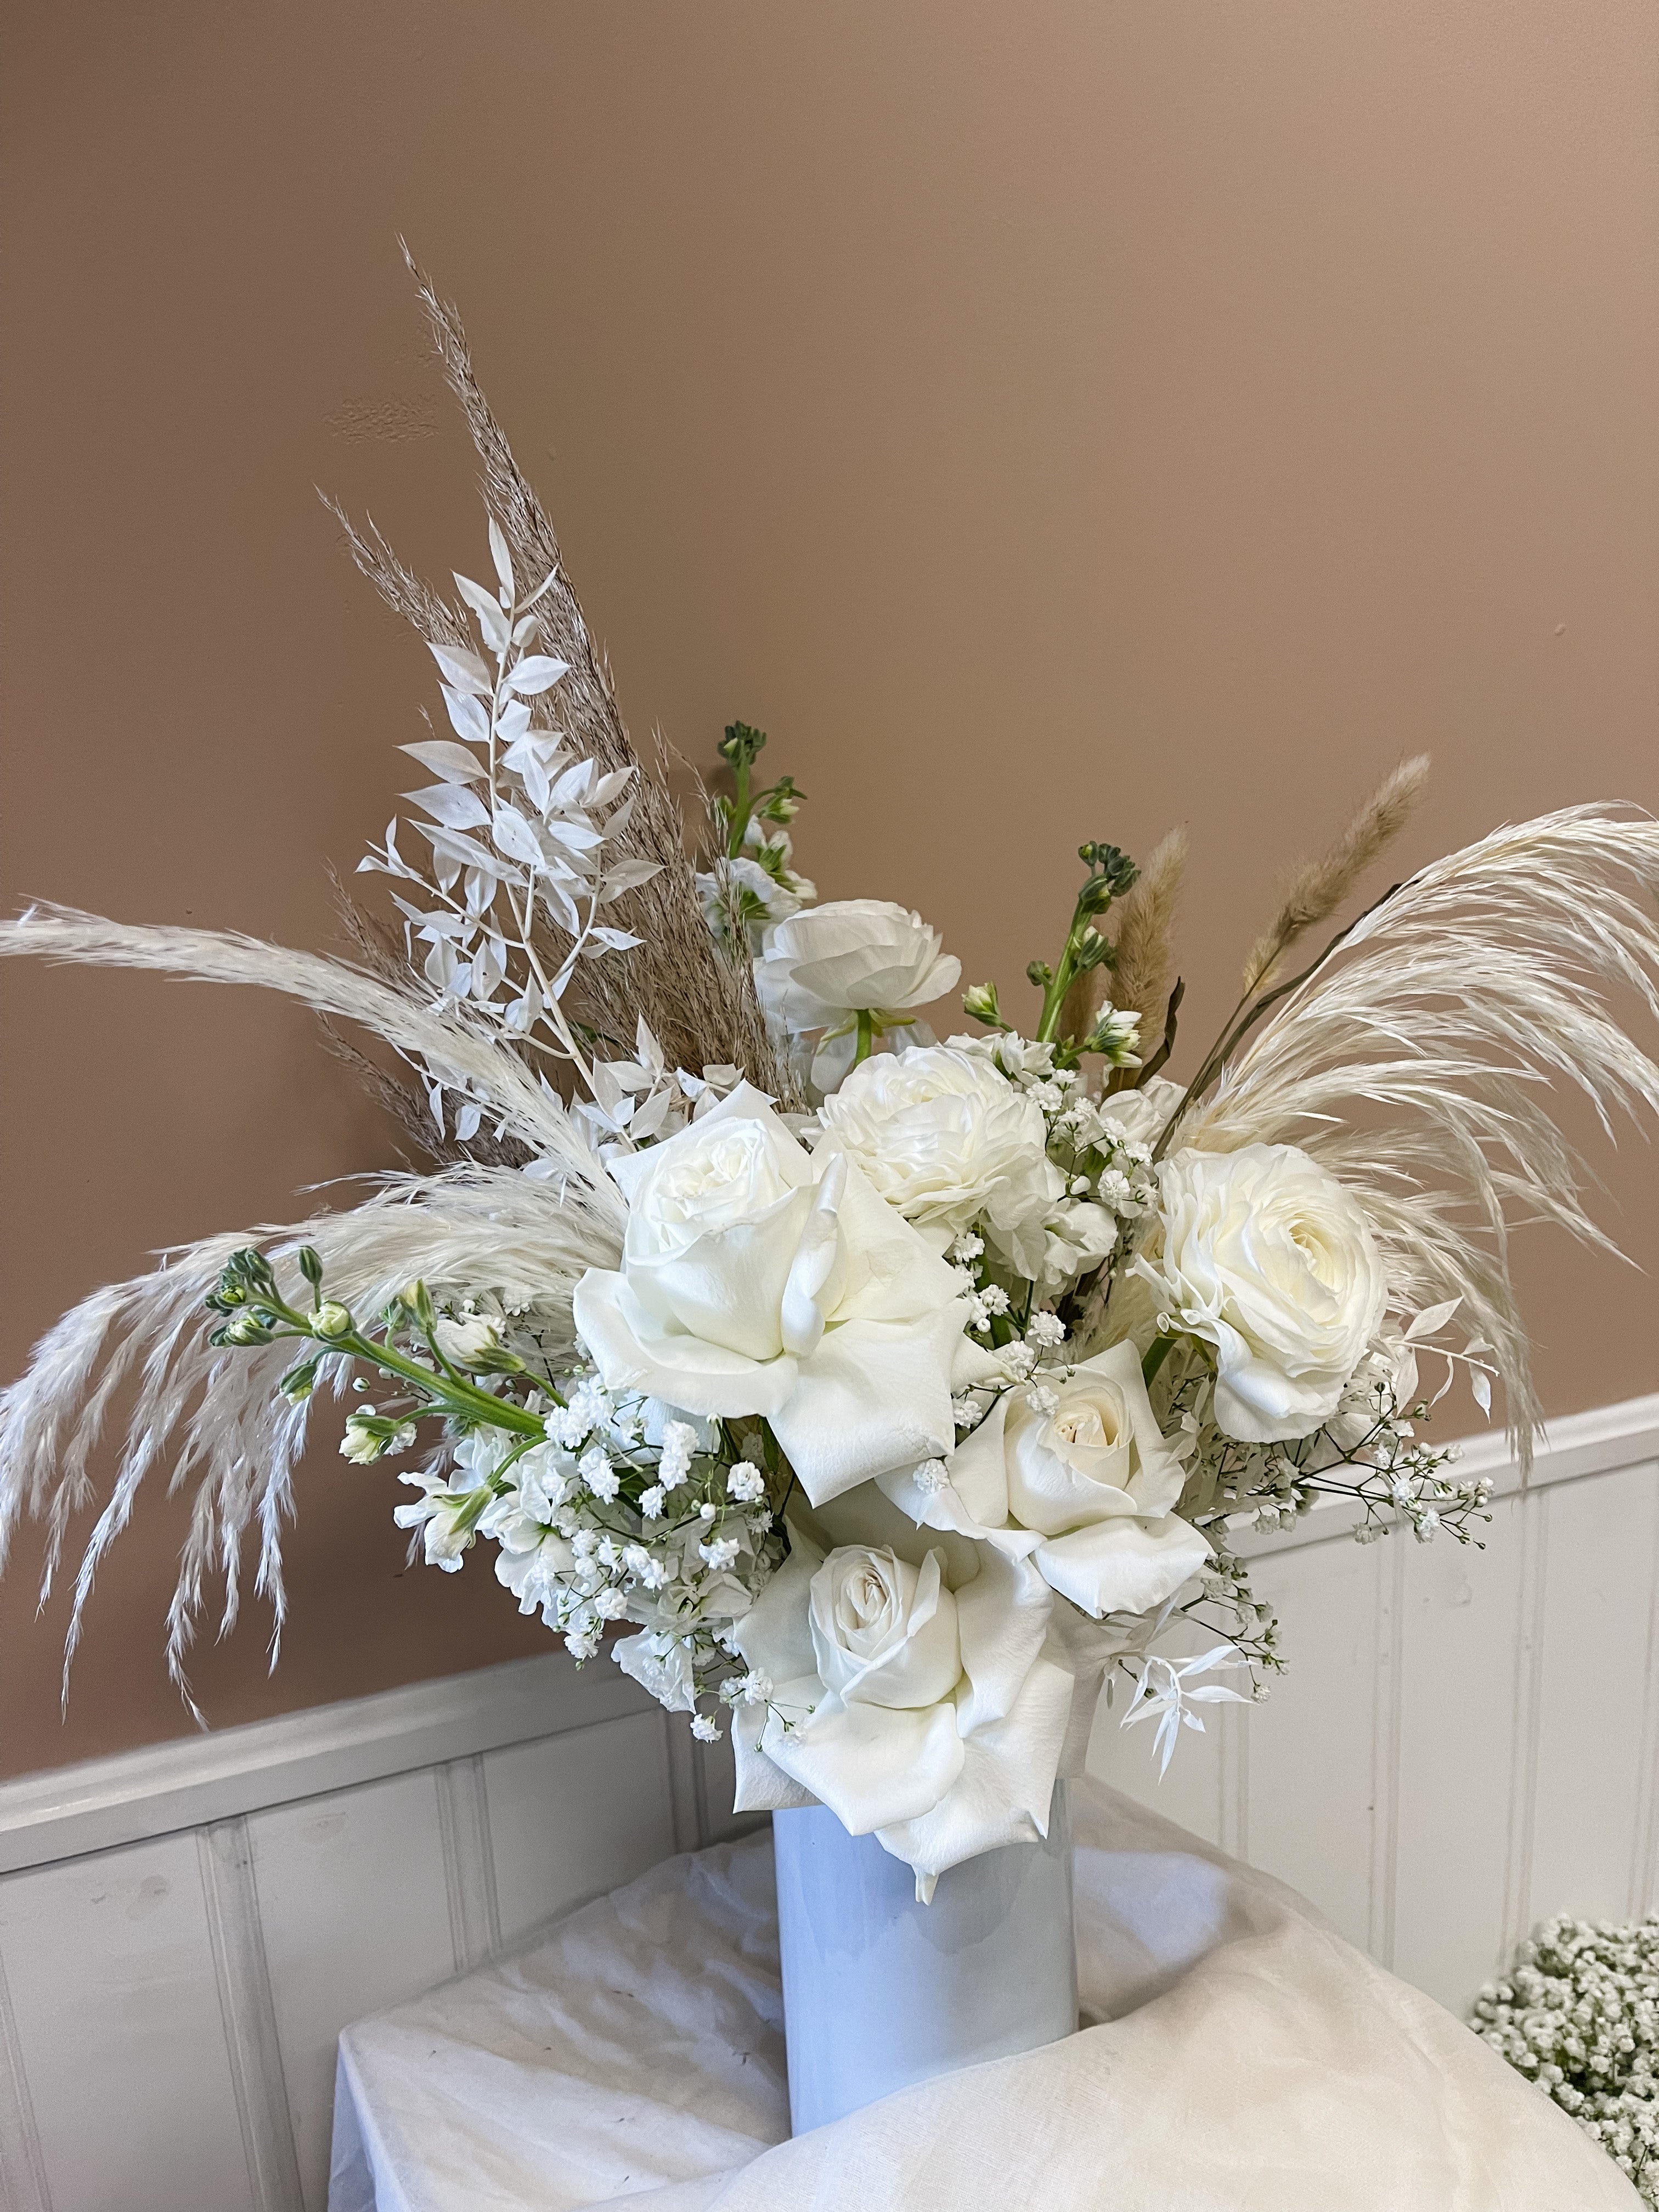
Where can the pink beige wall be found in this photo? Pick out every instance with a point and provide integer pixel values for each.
(1048, 418)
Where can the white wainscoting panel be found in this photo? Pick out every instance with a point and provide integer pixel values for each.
(1466, 1742)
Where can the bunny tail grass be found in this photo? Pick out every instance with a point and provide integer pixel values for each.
(1447, 1017)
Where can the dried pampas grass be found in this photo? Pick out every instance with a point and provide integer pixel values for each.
(1420, 1060)
(215, 1414)
(701, 1006)
(1317, 888)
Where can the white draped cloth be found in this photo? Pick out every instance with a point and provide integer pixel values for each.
(1239, 2057)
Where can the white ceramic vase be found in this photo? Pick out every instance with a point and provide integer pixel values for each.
(879, 1991)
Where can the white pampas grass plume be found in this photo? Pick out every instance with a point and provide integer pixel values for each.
(406, 1017)
(1317, 888)
(215, 1415)
(1420, 1060)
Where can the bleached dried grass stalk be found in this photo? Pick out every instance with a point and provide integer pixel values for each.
(215, 1415)
(402, 1015)
(1317, 888)
(1420, 1061)
(701, 1006)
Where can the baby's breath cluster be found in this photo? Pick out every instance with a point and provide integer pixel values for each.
(1579, 2015)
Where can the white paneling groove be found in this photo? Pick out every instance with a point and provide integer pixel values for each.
(22, 2176)
(248, 2012)
(1465, 1743)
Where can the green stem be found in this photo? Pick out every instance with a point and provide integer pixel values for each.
(1157, 1353)
(867, 1028)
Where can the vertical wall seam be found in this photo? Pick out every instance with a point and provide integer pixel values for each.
(475, 1919)
(22, 2167)
(247, 2011)
(1387, 1671)
(1644, 1844)
(1527, 1723)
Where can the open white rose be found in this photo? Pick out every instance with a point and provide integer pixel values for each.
(946, 1139)
(1087, 1492)
(850, 957)
(1264, 1256)
(756, 1279)
(934, 1717)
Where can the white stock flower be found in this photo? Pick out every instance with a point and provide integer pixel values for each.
(757, 1280)
(1266, 1257)
(933, 1717)
(468, 1338)
(946, 1139)
(851, 956)
(1078, 1235)
(1087, 1490)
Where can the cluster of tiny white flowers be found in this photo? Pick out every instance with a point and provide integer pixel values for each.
(598, 1525)
(1580, 2016)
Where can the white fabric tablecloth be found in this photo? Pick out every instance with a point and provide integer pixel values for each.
(1246, 2060)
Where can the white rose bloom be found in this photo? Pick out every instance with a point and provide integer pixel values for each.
(1138, 1117)
(757, 1280)
(947, 1140)
(1087, 1492)
(1078, 1235)
(934, 1717)
(1267, 1258)
(849, 957)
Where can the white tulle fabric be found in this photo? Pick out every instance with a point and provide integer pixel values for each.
(1245, 2059)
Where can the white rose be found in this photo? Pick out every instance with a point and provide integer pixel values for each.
(756, 1279)
(851, 956)
(933, 1717)
(1077, 1236)
(945, 1139)
(1138, 1117)
(1088, 1492)
(1267, 1258)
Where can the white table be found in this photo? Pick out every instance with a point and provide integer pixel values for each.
(1244, 2059)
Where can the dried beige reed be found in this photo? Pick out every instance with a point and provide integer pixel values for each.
(701, 1006)
(1317, 888)
(1143, 967)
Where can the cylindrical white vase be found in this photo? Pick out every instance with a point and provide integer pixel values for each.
(879, 1991)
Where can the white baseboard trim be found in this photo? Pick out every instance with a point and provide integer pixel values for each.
(69, 1811)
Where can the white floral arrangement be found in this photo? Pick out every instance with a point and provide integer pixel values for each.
(1579, 2015)
(892, 1394)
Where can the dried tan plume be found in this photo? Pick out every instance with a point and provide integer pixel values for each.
(1143, 947)
(700, 1004)
(1421, 1063)
(1319, 887)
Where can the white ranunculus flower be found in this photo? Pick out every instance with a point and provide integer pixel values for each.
(1261, 1253)
(1087, 1492)
(1138, 1116)
(757, 1280)
(850, 957)
(947, 1140)
(934, 1717)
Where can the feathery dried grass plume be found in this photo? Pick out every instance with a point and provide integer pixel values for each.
(1143, 967)
(215, 1414)
(1319, 887)
(1418, 1062)
(701, 1004)
(400, 1014)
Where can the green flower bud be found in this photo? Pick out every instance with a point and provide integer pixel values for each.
(332, 1320)
(979, 1002)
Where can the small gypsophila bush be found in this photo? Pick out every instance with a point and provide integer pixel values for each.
(1579, 2015)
